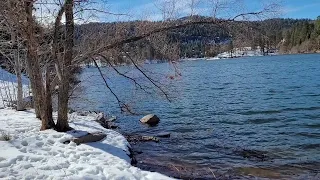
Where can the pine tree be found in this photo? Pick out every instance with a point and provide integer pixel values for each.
(317, 26)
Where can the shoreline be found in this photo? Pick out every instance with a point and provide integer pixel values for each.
(179, 169)
(35, 154)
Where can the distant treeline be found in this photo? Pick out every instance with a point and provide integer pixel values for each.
(302, 37)
(201, 40)
(207, 40)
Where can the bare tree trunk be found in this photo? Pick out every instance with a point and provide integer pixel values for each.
(17, 68)
(37, 87)
(38, 90)
(20, 104)
(42, 103)
(36, 103)
(63, 96)
(35, 70)
(48, 98)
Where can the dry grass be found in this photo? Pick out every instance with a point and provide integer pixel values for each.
(5, 136)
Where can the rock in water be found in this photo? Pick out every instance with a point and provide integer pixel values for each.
(105, 123)
(163, 135)
(113, 118)
(101, 117)
(150, 119)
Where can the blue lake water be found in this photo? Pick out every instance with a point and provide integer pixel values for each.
(220, 109)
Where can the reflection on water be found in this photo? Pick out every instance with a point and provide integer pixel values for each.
(251, 117)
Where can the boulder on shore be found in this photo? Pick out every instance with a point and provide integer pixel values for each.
(104, 122)
(101, 117)
(150, 119)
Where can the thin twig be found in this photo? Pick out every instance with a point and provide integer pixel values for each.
(122, 74)
(122, 105)
(145, 75)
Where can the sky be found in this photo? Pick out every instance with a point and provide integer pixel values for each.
(302, 9)
(147, 9)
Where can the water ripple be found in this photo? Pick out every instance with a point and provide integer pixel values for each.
(221, 108)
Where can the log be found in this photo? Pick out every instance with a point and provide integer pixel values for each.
(90, 137)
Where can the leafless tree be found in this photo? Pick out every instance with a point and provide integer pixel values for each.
(56, 41)
(13, 50)
(168, 8)
(193, 4)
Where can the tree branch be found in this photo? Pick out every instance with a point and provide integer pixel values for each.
(167, 26)
(121, 74)
(55, 41)
(145, 75)
(124, 107)
(100, 11)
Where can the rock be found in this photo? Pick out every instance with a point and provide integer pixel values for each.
(139, 138)
(149, 138)
(70, 111)
(138, 152)
(90, 137)
(253, 154)
(101, 118)
(111, 125)
(150, 119)
(83, 113)
(113, 118)
(163, 135)
(134, 161)
(105, 123)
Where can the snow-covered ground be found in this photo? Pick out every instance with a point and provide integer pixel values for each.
(192, 59)
(240, 52)
(34, 154)
(8, 87)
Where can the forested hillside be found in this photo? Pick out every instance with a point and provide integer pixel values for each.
(207, 40)
(287, 36)
(302, 37)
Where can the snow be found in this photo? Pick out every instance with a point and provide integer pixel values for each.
(34, 154)
(8, 88)
(192, 59)
(240, 52)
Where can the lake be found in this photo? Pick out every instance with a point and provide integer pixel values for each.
(255, 117)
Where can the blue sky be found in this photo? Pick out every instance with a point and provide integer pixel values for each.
(146, 9)
(302, 8)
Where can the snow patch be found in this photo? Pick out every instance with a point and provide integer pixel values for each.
(8, 88)
(241, 52)
(34, 154)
